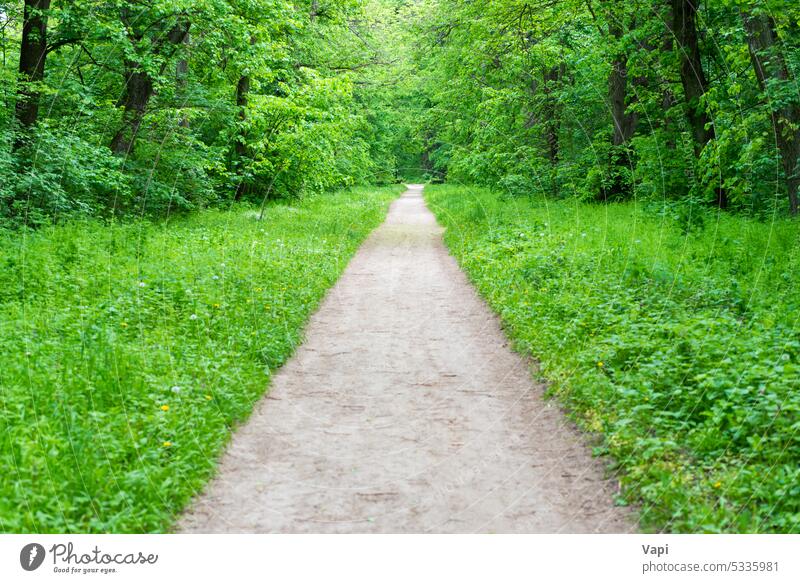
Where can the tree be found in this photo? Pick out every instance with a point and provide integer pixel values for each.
(240, 145)
(552, 77)
(693, 78)
(159, 37)
(32, 55)
(772, 73)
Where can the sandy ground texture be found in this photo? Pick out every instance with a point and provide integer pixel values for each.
(405, 410)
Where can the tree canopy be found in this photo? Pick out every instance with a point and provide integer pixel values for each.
(146, 107)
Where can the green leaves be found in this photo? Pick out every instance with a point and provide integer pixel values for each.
(524, 97)
(127, 74)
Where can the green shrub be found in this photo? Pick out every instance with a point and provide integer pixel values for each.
(61, 175)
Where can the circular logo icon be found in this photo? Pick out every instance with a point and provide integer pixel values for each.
(31, 556)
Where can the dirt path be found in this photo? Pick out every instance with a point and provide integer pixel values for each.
(406, 411)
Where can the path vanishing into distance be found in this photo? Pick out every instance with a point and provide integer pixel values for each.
(405, 410)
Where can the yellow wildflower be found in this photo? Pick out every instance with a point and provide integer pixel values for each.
(718, 484)
(208, 397)
(165, 407)
(167, 444)
(600, 364)
(124, 324)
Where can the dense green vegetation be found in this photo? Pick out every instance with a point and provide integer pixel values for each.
(635, 172)
(681, 349)
(130, 107)
(130, 350)
(609, 100)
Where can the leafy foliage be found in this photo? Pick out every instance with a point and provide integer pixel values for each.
(664, 316)
(597, 99)
(175, 105)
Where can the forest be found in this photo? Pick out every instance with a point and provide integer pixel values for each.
(182, 180)
(118, 108)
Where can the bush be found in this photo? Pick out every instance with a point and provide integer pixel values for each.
(61, 175)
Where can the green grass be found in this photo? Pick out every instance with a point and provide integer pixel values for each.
(130, 351)
(678, 347)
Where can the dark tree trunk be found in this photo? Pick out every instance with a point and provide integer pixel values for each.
(138, 91)
(139, 88)
(624, 123)
(240, 147)
(769, 63)
(549, 115)
(32, 54)
(693, 78)
(242, 91)
(552, 117)
(182, 82)
(668, 100)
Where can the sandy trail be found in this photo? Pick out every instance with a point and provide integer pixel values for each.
(406, 411)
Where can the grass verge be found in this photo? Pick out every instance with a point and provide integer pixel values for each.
(678, 342)
(130, 351)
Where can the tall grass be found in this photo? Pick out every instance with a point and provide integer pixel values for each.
(676, 341)
(128, 352)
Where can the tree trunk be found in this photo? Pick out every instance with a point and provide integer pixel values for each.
(32, 54)
(240, 146)
(693, 78)
(138, 90)
(552, 119)
(668, 99)
(624, 123)
(769, 63)
(182, 82)
(242, 91)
